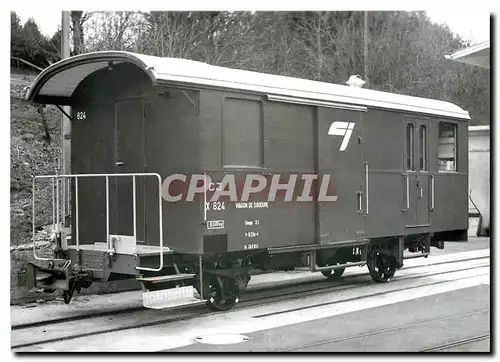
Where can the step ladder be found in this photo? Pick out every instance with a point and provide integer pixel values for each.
(178, 296)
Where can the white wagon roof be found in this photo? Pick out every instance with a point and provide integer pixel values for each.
(62, 78)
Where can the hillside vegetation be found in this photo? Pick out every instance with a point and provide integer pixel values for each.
(31, 154)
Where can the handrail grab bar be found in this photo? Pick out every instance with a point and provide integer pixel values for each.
(432, 192)
(407, 192)
(366, 182)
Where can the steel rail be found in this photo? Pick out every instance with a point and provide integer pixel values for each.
(458, 343)
(312, 289)
(345, 279)
(398, 328)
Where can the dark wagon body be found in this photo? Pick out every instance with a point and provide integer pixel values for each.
(397, 168)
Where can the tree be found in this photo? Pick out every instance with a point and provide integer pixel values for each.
(405, 49)
(29, 46)
(114, 31)
(78, 18)
(17, 45)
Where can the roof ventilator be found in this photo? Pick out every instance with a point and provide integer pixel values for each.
(355, 81)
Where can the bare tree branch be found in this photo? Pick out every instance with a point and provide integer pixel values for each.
(28, 63)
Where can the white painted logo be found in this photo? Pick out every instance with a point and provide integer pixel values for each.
(342, 129)
(215, 224)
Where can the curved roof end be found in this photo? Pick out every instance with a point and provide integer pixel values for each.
(56, 84)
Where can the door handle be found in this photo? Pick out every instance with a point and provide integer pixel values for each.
(360, 201)
(420, 189)
(406, 192)
(119, 163)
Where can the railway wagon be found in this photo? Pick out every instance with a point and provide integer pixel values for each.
(191, 177)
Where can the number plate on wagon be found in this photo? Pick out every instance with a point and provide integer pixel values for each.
(215, 224)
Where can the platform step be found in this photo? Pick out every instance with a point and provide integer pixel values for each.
(166, 278)
(171, 298)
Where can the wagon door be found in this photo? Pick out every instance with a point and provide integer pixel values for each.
(423, 179)
(129, 122)
(416, 174)
(341, 155)
(92, 152)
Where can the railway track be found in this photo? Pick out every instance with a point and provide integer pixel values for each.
(316, 285)
(39, 333)
(453, 345)
(370, 334)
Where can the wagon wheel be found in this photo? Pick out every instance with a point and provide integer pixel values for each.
(380, 267)
(216, 300)
(333, 274)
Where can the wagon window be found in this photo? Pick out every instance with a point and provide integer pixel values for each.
(447, 146)
(423, 148)
(242, 130)
(410, 164)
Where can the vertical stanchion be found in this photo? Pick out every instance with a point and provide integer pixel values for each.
(77, 233)
(33, 216)
(107, 212)
(58, 220)
(65, 126)
(201, 276)
(53, 202)
(134, 208)
(160, 214)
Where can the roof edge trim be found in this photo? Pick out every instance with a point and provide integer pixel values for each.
(292, 93)
(312, 102)
(468, 50)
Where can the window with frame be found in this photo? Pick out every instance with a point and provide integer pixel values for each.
(410, 163)
(423, 148)
(447, 146)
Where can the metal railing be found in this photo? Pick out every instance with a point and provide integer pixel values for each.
(56, 217)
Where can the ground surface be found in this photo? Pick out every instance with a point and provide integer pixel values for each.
(411, 325)
(439, 303)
